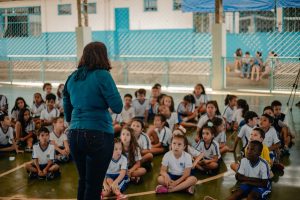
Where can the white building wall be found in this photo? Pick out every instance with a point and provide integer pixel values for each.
(164, 18)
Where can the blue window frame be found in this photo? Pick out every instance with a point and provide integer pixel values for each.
(64, 9)
(177, 4)
(150, 5)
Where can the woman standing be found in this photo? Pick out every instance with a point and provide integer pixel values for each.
(88, 93)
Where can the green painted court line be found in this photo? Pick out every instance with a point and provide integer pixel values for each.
(19, 197)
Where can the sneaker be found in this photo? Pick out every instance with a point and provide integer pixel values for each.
(160, 189)
(191, 190)
(32, 175)
(121, 196)
(50, 176)
(28, 149)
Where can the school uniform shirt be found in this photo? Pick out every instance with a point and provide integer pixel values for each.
(140, 108)
(172, 120)
(258, 170)
(192, 151)
(128, 114)
(15, 114)
(183, 110)
(203, 119)
(237, 115)
(6, 137)
(200, 99)
(117, 118)
(59, 140)
(164, 135)
(271, 137)
(244, 134)
(209, 152)
(221, 137)
(3, 103)
(43, 155)
(115, 166)
(46, 115)
(137, 156)
(30, 127)
(177, 166)
(37, 109)
(228, 113)
(144, 141)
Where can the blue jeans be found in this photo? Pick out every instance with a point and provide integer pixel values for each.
(246, 69)
(92, 152)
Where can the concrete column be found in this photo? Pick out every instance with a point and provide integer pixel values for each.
(83, 37)
(218, 51)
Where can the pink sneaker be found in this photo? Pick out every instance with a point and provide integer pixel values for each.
(160, 189)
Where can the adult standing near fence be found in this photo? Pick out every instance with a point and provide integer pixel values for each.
(89, 92)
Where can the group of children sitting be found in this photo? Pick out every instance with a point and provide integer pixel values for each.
(149, 127)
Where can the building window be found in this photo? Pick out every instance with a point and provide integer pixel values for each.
(150, 5)
(91, 8)
(258, 21)
(291, 19)
(64, 9)
(177, 4)
(20, 22)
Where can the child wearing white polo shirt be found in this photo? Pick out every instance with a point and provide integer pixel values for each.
(175, 172)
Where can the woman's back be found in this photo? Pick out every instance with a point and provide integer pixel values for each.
(92, 93)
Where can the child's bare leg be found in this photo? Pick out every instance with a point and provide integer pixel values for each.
(211, 165)
(286, 137)
(148, 157)
(29, 167)
(139, 172)
(189, 181)
(234, 166)
(161, 180)
(54, 168)
(236, 195)
(157, 150)
(257, 75)
(253, 196)
(224, 149)
(107, 191)
(253, 72)
(29, 142)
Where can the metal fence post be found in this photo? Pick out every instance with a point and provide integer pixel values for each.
(272, 76)
(166, 74)
(42, 70)
(10, 66)
(125, 71)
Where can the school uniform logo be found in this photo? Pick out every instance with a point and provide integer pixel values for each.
(182, 165)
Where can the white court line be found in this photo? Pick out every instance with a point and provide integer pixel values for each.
(12, 170)
(224, 174)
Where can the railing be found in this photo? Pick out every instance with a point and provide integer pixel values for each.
(280, 74)
(127, 69)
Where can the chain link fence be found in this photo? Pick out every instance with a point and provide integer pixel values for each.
(174, 50)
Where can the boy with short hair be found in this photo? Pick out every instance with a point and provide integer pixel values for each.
(42, 165)
(7, 141)
(271, 139)
(281, 127)
(50, 112)
(141, 105)
(245, 131)
(128, 111)
(253, 174)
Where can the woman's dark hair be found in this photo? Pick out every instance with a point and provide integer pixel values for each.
(95, 57)
(189, 98)
(16, 104)
(214, 103)
(21, 118)
(228, 98)
(242, 103)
